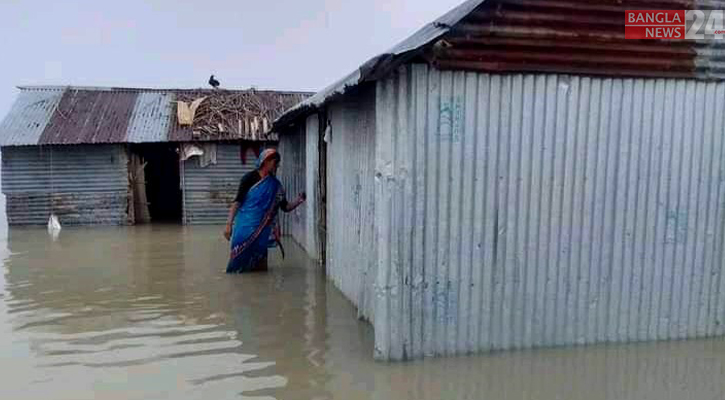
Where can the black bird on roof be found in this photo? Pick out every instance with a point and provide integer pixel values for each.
(213, 82)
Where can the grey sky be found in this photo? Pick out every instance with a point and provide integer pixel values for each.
(276, 44)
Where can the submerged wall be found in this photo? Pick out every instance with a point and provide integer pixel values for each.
(209, 191)
(299, 173)
(82, 185)
(292, 175)
(312, 187)
(517, 211)
(350, 236)
(351, 241)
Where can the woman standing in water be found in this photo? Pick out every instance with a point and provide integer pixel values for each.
(252, 215)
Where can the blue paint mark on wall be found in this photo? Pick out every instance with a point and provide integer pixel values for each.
(451, 120)
(676, 226)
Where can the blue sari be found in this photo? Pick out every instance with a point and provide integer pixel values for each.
(253, 223)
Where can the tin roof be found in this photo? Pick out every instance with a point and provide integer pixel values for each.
(92, 115)
(555, 36)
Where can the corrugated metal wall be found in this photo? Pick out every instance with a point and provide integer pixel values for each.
(83, 185)
(209, 191)
(292, 174)
(299, 172)
(312, 160)
(517, 211)
(350, 199)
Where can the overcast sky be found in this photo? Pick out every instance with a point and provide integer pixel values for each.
(275, 44)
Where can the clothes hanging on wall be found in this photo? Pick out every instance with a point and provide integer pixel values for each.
(208, 156)
(256, 147)
(188, 150)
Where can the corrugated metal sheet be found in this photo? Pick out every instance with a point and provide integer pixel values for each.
(312, 182)
(299, 172)
(90, 117)
(573, 37)
(517, 211)
(84, 115)
(28, 117)
(81, 184)
(209, 191)
(153, 115)
(292, 174)
(351, 240)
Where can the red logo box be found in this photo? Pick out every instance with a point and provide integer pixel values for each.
(654, 24)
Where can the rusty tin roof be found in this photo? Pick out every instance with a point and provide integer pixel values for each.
(45, 115)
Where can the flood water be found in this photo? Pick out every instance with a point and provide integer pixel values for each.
(147, 313)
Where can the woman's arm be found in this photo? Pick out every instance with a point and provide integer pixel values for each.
(230, 220)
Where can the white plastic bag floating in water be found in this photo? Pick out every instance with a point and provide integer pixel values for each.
(53, 226)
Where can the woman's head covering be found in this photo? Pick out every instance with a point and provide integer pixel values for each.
(267, 153)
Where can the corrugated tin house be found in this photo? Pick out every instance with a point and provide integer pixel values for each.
(116, 156)
(517, 175)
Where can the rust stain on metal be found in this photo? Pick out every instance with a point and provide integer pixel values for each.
(583, 37)
(90, 116)
(222, 196)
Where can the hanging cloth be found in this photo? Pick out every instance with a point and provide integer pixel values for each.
(185, 113)
(209, 155)
(190, 150)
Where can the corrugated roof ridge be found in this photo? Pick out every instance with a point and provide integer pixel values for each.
(155, 90)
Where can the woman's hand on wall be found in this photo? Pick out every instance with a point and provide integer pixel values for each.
(293, 205)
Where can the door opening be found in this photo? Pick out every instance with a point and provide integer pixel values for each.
(159, 167)
(322, 188)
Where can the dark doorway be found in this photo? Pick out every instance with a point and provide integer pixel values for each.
(322, 188)
(163, 182)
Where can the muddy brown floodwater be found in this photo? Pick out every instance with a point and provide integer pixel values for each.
(147, 313)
